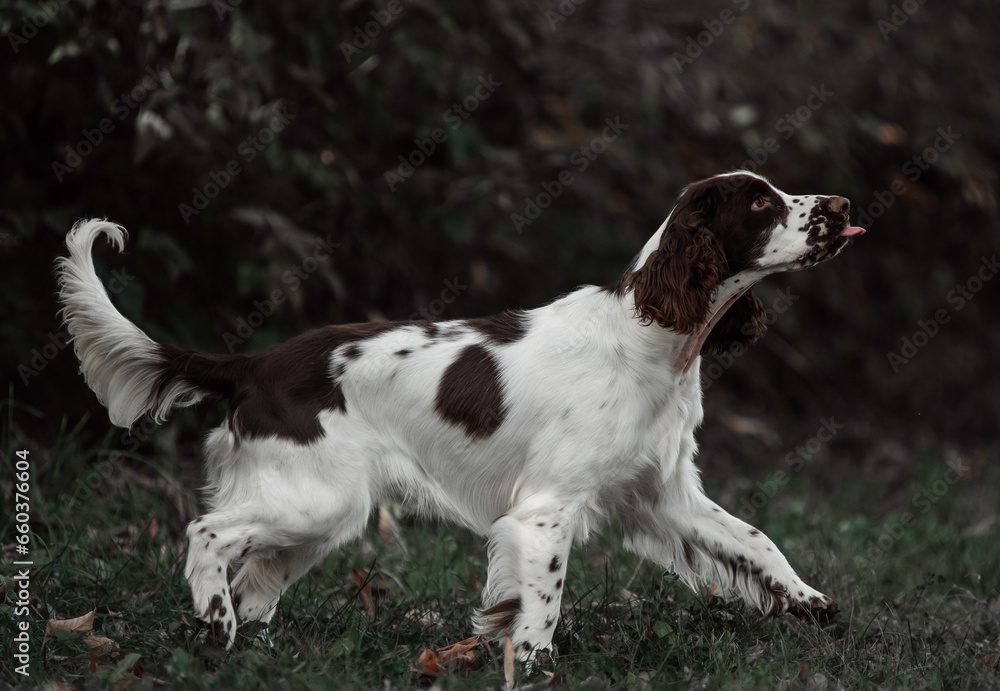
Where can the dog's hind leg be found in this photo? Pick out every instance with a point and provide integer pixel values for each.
(278, 552)
(215, 540)
(262, 579)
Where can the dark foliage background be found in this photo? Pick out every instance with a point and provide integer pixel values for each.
(224, 69)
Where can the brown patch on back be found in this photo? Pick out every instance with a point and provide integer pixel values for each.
(501, 329)
(278, 392)
(470, 393)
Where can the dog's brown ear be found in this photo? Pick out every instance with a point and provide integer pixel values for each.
(741, 326)
(674, 287)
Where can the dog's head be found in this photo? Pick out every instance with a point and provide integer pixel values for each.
(724, 235)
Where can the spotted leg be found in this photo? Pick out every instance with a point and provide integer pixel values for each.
(705, 545)
(277, 553)
(529, 547)
(215, 540)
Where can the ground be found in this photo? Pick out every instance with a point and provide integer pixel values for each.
(906, 550)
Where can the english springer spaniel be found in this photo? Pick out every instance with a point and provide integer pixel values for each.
(532, 428)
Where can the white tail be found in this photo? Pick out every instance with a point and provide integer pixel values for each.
(123, 366)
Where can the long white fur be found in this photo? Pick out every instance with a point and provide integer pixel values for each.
(598, 425)
(117, 359)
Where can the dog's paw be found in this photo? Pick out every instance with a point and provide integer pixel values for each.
(818, 607)
(254, 606)
(219, 621)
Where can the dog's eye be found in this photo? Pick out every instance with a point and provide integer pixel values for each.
(761, 202)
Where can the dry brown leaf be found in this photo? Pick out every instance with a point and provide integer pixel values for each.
(434, 663)
(101, 643)
(367, 586)
(508, 662)
(94, 654)
(153, 529)
(991, 659)
(81, 624)
(427, 664)
(458, 649)
(367, 604)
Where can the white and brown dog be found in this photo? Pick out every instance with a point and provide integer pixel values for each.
(531, 427)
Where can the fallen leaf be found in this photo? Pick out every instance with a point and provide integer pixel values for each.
(100, 643)
(459, 649)
(94, 654)
(991, 659)
(153, 528)
(427, 664)
(81, 624)
(508, 662)
(367, 604)
(366, 586)
(817, 682)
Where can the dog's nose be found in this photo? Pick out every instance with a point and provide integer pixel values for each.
(837, 205)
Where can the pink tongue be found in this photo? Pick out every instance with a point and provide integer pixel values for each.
(852, 231)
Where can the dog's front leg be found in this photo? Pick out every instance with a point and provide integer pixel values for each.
(528, 551)
(706, 545)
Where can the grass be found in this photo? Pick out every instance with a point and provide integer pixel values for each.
(919, 610)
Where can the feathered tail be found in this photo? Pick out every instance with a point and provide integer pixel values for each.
(131, 374)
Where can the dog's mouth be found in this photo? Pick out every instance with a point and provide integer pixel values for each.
(828, 243)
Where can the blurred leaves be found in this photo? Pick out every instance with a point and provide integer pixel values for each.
(360, 92)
